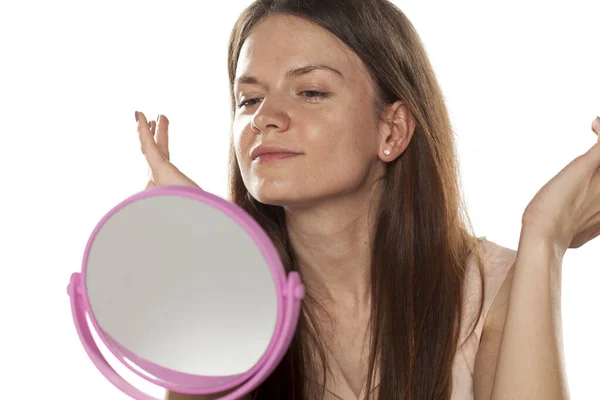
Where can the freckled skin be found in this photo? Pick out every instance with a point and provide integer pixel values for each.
(337, 134)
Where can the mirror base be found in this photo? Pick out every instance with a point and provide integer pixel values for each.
(293, 294)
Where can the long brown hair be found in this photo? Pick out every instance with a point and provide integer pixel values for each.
(421, 243)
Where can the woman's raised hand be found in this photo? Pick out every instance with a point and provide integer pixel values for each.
(154, 141)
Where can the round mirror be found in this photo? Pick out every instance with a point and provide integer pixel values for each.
(186, 290)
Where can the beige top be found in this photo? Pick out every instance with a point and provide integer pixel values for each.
(497, 261)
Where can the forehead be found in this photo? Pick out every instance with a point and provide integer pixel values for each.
(282, 42)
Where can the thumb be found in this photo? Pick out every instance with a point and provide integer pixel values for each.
(596, 127)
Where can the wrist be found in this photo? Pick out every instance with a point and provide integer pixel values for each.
(534, 245)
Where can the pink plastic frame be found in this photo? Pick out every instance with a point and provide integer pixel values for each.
(290, 292)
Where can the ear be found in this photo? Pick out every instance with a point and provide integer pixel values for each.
(396, 129)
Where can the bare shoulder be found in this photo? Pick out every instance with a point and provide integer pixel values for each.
(491, 335)
(500, 263)
(497, 314)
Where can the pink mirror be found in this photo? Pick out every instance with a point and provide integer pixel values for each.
(187, 291)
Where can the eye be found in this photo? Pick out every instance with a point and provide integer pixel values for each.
(243, 103)
(314, 94)
(317, 95)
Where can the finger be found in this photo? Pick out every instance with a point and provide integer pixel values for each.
(596, 126)
(151, 184)
(152, 127)
(163, 172)
(162, 135)
(593, 154)
(149, 148)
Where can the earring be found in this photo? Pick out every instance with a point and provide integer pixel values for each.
(387, 152)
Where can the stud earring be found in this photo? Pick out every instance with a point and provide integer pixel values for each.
(387, 152)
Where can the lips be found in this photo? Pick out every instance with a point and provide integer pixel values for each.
(272, 150)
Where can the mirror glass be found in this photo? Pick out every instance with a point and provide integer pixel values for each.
(179, 283)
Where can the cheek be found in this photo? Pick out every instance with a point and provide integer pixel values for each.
(241, 145)
(342, 162)
(351, 157)
(351, 141)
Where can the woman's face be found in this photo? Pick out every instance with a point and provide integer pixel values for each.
(334, 135)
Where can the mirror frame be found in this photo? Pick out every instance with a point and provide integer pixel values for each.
(289, 289)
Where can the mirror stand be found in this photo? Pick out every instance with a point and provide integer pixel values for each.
(293, 293)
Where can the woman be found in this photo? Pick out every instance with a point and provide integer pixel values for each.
(342, 149)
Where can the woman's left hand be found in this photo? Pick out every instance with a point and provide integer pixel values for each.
(566, 210)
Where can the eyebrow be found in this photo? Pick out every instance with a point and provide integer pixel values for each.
(293, 73)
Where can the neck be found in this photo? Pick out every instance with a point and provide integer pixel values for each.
(333, 242)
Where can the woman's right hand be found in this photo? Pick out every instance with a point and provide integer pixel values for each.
(154, 141)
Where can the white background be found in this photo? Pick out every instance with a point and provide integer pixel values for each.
(521, 80)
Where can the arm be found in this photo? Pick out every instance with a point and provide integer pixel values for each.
(562, 215)
(530, 360)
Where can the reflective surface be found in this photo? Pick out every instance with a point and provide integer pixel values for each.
(180, 284)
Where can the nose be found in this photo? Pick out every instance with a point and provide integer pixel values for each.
(269, 118)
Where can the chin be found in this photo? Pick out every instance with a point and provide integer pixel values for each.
(273, 198)
(278, 194)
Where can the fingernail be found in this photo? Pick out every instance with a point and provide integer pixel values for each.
(158, 118)
(136, 117)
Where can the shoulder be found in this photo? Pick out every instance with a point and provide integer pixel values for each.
(498, 269)
(497, 262)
